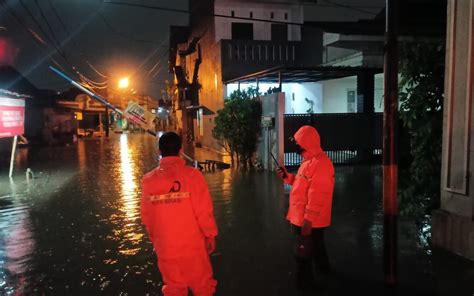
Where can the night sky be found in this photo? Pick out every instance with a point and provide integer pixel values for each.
(116, 40)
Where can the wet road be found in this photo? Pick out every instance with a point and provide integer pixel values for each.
(75, 228)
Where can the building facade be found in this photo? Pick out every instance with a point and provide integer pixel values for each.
(453, 224)
(238, 38)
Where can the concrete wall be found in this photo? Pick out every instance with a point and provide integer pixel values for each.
(453, 226)
(335, 94)
(261, 30)
(211, 93)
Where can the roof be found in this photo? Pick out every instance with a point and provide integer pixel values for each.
(5, 92)
(14, 81)
(302, 74)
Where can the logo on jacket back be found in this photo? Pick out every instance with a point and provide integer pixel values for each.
(176, 187)
(173, 196)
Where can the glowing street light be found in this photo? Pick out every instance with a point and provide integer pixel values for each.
(123, 83)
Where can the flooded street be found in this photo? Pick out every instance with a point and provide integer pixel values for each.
(75, 228)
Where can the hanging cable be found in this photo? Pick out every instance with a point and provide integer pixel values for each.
(40, 27)
(111, 28)
(51, 31)
(58, 17)
(349, 7)
(36, 37)
(95, 70)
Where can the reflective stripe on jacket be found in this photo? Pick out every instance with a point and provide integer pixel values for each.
(176, 208)
(313, 185)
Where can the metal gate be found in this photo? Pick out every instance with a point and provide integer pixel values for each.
(347, 138)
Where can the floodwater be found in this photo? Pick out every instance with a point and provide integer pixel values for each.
(75, 229)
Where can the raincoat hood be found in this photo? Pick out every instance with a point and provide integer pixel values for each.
(308, 139)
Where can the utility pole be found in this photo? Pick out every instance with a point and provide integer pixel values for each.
(390, 144)
(107, 125)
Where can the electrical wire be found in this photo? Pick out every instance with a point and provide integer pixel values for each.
(349, 7)
(48, 25)
(40, 27)
(209, 14)
(63, 24)
(55, 12)
(35, 36)
(161, 8)
(112, 28)
(95, 70)
(92, 81)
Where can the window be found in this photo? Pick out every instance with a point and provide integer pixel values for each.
(251, 14)
(351, 101)
(232, 13)
(279, 32)
(242, 31)
(272, 15)
(286, 15)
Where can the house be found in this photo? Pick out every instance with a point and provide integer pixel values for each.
(235, 39)
(12, 80)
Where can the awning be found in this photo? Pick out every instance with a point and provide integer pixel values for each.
(303, 74)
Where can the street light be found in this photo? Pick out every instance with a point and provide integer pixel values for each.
(123, 83)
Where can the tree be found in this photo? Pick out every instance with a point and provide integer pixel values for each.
(421, 113)
(238, 125)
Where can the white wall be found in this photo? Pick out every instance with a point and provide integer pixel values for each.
(335, 94)
(378, 92)
(261, 30)
(295, 94)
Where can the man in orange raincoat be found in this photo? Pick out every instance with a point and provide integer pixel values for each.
(177, 210)
(310, 204)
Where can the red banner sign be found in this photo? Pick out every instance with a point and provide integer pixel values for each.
(12, 117)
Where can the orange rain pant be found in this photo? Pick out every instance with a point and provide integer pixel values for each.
(192, 270)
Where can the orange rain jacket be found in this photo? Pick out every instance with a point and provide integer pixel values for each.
(176, 209)
(313, 185)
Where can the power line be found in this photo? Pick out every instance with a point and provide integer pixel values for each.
(55, 12)
(112, 28)
(40, 27)
(85, 81)
(315, 3)
(160, 8)
(53, 35)
(95, 70)
(58, 17)
(210, 14)
(82, 76)
(38, 38)
(161, 47)
(349, 7)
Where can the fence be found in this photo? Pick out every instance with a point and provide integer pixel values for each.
(347, 138)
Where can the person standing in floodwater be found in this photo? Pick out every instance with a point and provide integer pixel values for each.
(177, 210)
(310, 205)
